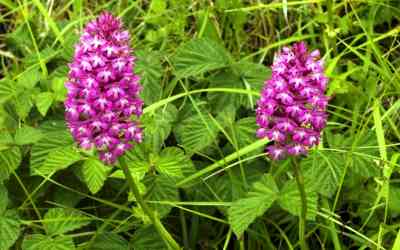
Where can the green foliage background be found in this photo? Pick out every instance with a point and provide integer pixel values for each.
(200, 166)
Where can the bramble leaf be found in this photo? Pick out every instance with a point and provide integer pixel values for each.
(9, 229)
(43, 242)
(58, 221)
(245, 210)
(199, 56)
(94, 173)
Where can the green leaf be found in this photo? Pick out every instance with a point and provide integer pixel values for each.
(3, 198)
(155, 12)
(325, 170)
(199, 56)
(172, 162)
(29, 78)
(161, 188)
(7, 89)
(221, 100)
(290, 199)
(260, 197)
(23, 104)
(58, 86)
(195, 134)
(57, 160)
(394, 198)
(110, 241)
(137, 168)
(27, 135)
(9, 229)
(148, 66)
(94, 173)
(243, 132)
(396, 244)
(247, 75)
(147, 238)
(137, 161)
(42, 242)
(9, 161)
(363, 160)
(6, 138)
(58, 221)
(229, 186)
(43, 102)
(253, 76)
(206, 25)
(158, 125)
(55, 139)
(20, 39)
(363, 148)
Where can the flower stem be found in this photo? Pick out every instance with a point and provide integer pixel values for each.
(169, 240)
(303, 214)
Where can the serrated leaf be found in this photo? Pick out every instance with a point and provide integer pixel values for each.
(94, 173)
(9, 229)
(161, 188)
(260, 197)
(366, 149)
(43, 242)
(147, 238)
(110, 241)
(254, 73)
(194, 133)
(324, 169)
(199, 56)
(55, 139)
(7, 89)
(29, 78)
(220, 100)
(57, 160)
(137, 168)
(43, 102)
(23, 104)
(9, 161)
(148, 66)
(137, 161)
(157, 126)
(248, 76)
(27, 135)
(242, 132)
(172, 161)
(363, 149)
(58, 221)
(290, 199)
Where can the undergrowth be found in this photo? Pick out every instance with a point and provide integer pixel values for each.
(201, 167)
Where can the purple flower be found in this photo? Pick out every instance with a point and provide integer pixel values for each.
(103, 91)
(292, 108)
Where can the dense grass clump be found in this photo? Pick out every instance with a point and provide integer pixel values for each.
(200, 178)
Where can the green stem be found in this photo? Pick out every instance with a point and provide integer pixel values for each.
(303, 215)
(332, 227)
(146, 209)
(184, 229)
